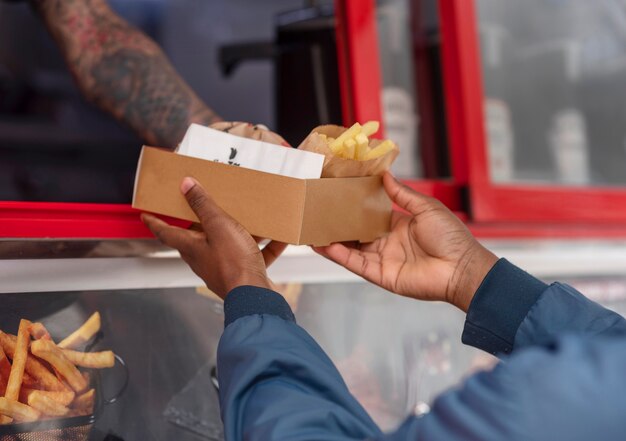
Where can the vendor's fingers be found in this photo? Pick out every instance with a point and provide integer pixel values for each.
(202, 204)
(272, 251)
(173, 237)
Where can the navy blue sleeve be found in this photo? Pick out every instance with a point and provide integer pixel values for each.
(276, 383)
(512, 309)
(571, 390)
(249, 300)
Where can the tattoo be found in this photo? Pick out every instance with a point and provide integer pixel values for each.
(123, 71)
(145, 91)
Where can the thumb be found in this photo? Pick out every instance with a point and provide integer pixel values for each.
(201, 203)
(403, 196)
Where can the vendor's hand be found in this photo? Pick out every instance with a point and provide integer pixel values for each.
(224, 255)
(428, 255)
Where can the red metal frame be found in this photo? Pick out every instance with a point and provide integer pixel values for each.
(496, 211)
(361, 82)
(491, 202)
(461, 74)
(357, 49)
(446, 192)
(501, 230)
(58, 220)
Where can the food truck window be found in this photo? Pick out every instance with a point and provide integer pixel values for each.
(55, 146)
(409, 38)
(554, 73)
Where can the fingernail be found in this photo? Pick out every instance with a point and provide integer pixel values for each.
(187, 185)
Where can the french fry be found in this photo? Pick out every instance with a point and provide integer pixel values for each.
(361, 146)
(5, 370)
(38, 331)
(349, 149)
(85, 401)
(381, 149)
(370, 128)
(61, 397)
(350, 133)
(78, 412)
(82, 334)
(48, 351)
(40, 373)
(46, 405)
(20, 354)
(98, 360)
(352, 144)
(18, 411)
(86, 376)
(44, 378)
(5, 366)
(50, 384)
(28, 380)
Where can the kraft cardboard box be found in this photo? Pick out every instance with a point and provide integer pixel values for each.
(296, 211)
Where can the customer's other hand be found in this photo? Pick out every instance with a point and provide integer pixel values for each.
(429, 254)
(224, 254)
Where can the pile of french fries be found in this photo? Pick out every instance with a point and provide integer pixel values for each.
(354, 143)
(40, 379)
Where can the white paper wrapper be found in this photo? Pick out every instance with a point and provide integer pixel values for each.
(337, 167)
(251, 147)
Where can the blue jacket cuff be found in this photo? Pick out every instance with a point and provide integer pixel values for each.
(499, 307)
(251, 300)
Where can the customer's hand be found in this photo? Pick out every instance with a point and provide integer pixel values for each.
(224, 255)
(428, 255)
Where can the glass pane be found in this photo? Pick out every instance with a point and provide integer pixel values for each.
(395, 354)
(412, 97)
(555, 84)
(168, 339)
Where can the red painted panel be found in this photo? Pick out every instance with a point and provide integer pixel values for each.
(464, 104)
(463, 91)
(359, 61)
(545, 204)
(73, 221)
(445, 191)
(546, 231)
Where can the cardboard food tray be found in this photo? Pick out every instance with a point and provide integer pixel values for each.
(296, 211)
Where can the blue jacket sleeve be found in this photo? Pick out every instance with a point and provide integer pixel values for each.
(512, 309)
(276, 383)
(572, 390)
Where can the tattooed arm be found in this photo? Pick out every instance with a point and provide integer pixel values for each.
(123, 71)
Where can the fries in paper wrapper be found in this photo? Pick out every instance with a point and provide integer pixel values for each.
(349, 152)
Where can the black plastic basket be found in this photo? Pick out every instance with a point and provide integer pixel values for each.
(77, 428)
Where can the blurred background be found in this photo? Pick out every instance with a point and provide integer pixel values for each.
(512, 113)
